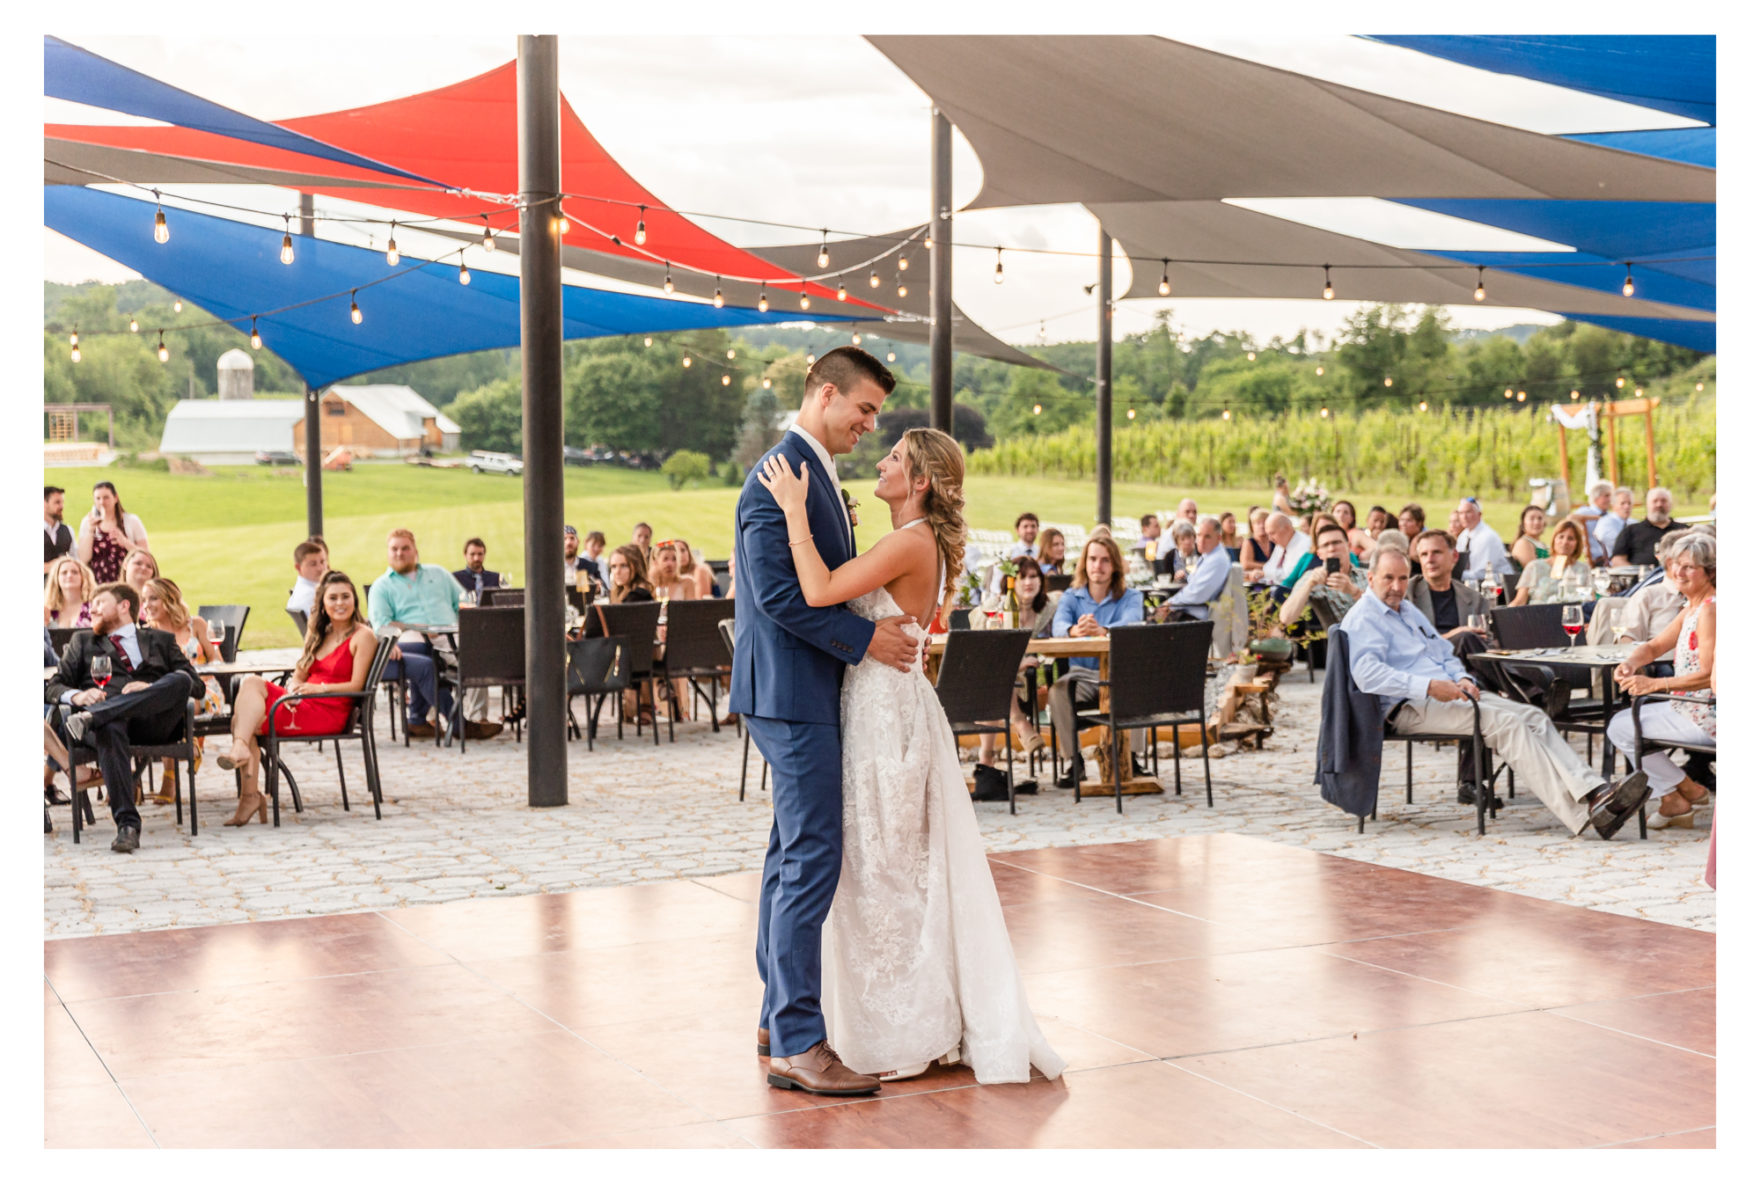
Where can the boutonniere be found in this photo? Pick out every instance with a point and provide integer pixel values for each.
(850, 503)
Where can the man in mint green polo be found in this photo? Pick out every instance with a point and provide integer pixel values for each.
(410, 593)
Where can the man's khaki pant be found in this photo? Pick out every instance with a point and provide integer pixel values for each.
(1520, 734)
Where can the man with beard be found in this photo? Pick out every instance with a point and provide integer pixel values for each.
(1636, 543)
(57, 536)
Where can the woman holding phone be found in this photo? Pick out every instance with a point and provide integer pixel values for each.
(108, 534)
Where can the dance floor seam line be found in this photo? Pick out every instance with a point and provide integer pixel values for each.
(1271, 1103)
(1657, 1136)
(1558, 1012)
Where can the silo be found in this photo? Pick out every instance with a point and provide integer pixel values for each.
(235, 370)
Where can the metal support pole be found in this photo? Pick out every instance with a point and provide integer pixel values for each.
(314, 428)
(941, 274)
(540, 332)
(1103, 388)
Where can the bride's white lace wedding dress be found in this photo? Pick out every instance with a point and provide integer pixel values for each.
(917, 959)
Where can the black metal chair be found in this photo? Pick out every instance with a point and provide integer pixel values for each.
(1529, 627)
(1058, 582)
(1511, 582)
(597, 667)
(636, 623)
(959, 619)
(301, 619)
(1653, 744)
(491, 653)
(234, 616)
(59, 637)
(725, 627)
(980, 670)
(694, 650)
(181, 748)
(1156, 678)
(359, 728)
(502, 596)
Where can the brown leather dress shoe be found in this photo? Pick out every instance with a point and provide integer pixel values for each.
(764, 1042)
(819, 1071)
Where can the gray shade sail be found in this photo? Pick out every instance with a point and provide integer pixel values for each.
(1228, 233)
(1059, 119)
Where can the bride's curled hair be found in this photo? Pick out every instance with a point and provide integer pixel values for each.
(935, 454)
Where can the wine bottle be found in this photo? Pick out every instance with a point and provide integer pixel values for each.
(1013, 602)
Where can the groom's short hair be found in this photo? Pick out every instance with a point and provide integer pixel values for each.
(847, 367)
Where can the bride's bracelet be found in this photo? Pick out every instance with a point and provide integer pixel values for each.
(798, 543)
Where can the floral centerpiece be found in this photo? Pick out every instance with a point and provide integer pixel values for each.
(1308, 497)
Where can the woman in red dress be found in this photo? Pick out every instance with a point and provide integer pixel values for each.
(339, 652)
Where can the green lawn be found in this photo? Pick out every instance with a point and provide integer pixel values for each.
(229, 536)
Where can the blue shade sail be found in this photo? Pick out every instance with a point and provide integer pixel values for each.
(1610, 228)
(1677, 74)
(1701, 337)
(413, 311)
(78, 75)
(1683, 145)
(1592, 273)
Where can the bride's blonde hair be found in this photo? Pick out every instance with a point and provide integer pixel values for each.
(933, 453)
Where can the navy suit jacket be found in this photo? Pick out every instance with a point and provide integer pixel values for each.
(467, 580)
(788, 656)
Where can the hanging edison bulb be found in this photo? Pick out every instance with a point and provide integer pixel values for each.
(464, 273)
(161, 231)
(647, 341)
(998, 277)
(763, 298)
(730, 353)
(561, 222)
(1131, 413)
(765, 382)
(391, 254)
(164, 352)
(824, 248)
(1620, 383)
(1628, 289)
(74, 338)
(856, 338)
(687, 361)
(286, 240)
(891, 356)
(1164, 287)
(1387, 382)
(256, 340)
(1522, 394)
(1577, 393)
(904, 263)
(1423, 406)
(1252, 356)
(874, 279)
(133, 323)
(1325, 412)
(1319, 370)
(667, 285)
(1038, 409)
(1327, 293)
(903, 290)
(1479, 291)
(177, 306)
(805, 301)
(726, 379)
(76, 350)
(1227, 415)
(842, 294)
(718, 300)
(1508, 393)
(488, 237)
(1698, 388)
(642, 225)
(354, 309)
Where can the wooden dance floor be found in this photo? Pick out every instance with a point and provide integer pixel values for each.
(1209, 991)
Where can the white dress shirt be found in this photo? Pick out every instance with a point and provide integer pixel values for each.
(1205, 584)
(1607, 530)
(304, 596)
(130, 643)
(1487, 548)
(1284, 560)
(830, 466)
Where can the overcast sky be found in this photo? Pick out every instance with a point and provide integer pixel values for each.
(822, 130)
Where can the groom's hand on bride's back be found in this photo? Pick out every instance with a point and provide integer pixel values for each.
(891, 645)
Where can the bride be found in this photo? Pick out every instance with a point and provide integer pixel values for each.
(917, 963)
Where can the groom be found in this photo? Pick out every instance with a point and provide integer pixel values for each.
(788, 660)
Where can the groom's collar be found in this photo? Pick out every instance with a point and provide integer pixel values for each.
(819, 449)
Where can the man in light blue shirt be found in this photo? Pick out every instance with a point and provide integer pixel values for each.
(412, 594)
(1081, 615)
(1398, 657)
(1610, 525)
(1205, 584)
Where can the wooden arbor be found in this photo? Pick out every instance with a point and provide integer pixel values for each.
(1610, 412)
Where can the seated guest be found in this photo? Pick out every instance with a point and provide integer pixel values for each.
(1280, 495)
(1600, 494)
(1411, 522)
(1256, 548)
(1397, 656)
(1038, 611)
(1231, 539)
(642, 536)
(1480, 547)
(57, 536)
(1205, 583)
(1455, 526)
(1649, 611)
(1636, 543)
(1151, 537)
(143, 702)
(1188, 511)
(311, 560)
(411, 594)
(1026, 536)
(1557, 575)
(1344, 513)
(593, 548)
(473, 578)
(1182, 545)
(578, 570)
(1528, 547)
(1050, 553)
(1610, 525)
(629, 576)
(162, 608)
(1340, 590)
(1691, 639)
(138, 568)
(1379, 521)
(1441, 598)
(337, 657)
(1288, 547)
(663, 574)
(67, 597)
(690, 569)
(1097, 601)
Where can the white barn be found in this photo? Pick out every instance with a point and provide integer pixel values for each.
(229, 433)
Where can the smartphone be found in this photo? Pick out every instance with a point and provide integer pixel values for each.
(1333, 565)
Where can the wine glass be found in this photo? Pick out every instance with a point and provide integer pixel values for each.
(1191, 563)
(1476, 622)
(1620, 628)
(1573, 622)
(101, 670)
(217, 635)
(992, 610)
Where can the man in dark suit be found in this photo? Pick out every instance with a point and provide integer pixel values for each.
(788, 665)
(1443, 598)
(473, 577)
(57, 536)
(143, 701)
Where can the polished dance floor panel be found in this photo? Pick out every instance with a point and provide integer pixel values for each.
(1209, 991)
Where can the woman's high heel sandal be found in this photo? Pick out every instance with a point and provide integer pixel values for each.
(260, 812)
(229, 762)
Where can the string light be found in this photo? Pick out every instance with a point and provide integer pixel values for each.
(1319, 370)
(74, 338)
(730, 353)
(1522, 395)
(667, 285)
(133, 323)
(856, 338)
(286, 240)
(488, 237)
(76, 349)
(391, 254)
(842, 294)
(561, 223)
(1038, 409)
(726, 379)
(1327, 293)
(903, 290)
(164, 353)
(874, 279)
(687, 361)
(464, 273)
(641, 224)
(1479, 291)
(354, 308)
(824, 248)
(998, 278)
(1251, 356)
(1508, 393)
(647, 341)
(805, 301)
(1575, 393)
(718, 300)
(1165, 288)
(763, 298)
(1131, 413)
(1423, 406)
(1628, 289)
(1619, 383)
(904, 263)
(1227, 415)
(177, 306)
(1325, 412)
(256, 340)
(891, 356)
(161, 231)
(1698, 388)
(765, 382)
(1387, 382)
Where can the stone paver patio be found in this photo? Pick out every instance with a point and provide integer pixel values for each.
(458, 826)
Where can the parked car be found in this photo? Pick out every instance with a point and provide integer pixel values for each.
(490, 462)
(575, 456)
(277, 458)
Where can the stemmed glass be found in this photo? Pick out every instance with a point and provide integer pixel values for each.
(1573, 622)
(217, 635)
(1191, 563)
(101, 670)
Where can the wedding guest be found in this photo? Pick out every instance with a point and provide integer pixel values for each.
(664, 575)
(629, 576)
(1026, 536)
(409, 595)
(57, 536)
(1257, 548)
(690, 569)
(1527, 547)
(1411, 522)
(1289, 546)
(162, 608)
(140, 567)
(67, 595)
(1554, 576)
(1345, 513)
(1280, 495)
(1636, 543)
(473, 578)
(311, 560)
(1455, 526)
(1097, 600)
(1480, 547)
(1610, 525)
(593, 548)
(1051, 551)
(574, 561)
(1649, 611)
(642, 536)
(1600, 496)
(1379, 521)
(1188, 511)
(338, 654)
(1182, 545)
(1444, 599)
(1231, 539)
(1204, 584)
(108, 534)
(1149, 537)
(1340, 590)
(1692, 639)
(1037, 612)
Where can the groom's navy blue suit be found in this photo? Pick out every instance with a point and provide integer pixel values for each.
(788, 660)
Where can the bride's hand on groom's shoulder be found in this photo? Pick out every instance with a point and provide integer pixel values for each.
(785, 486)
